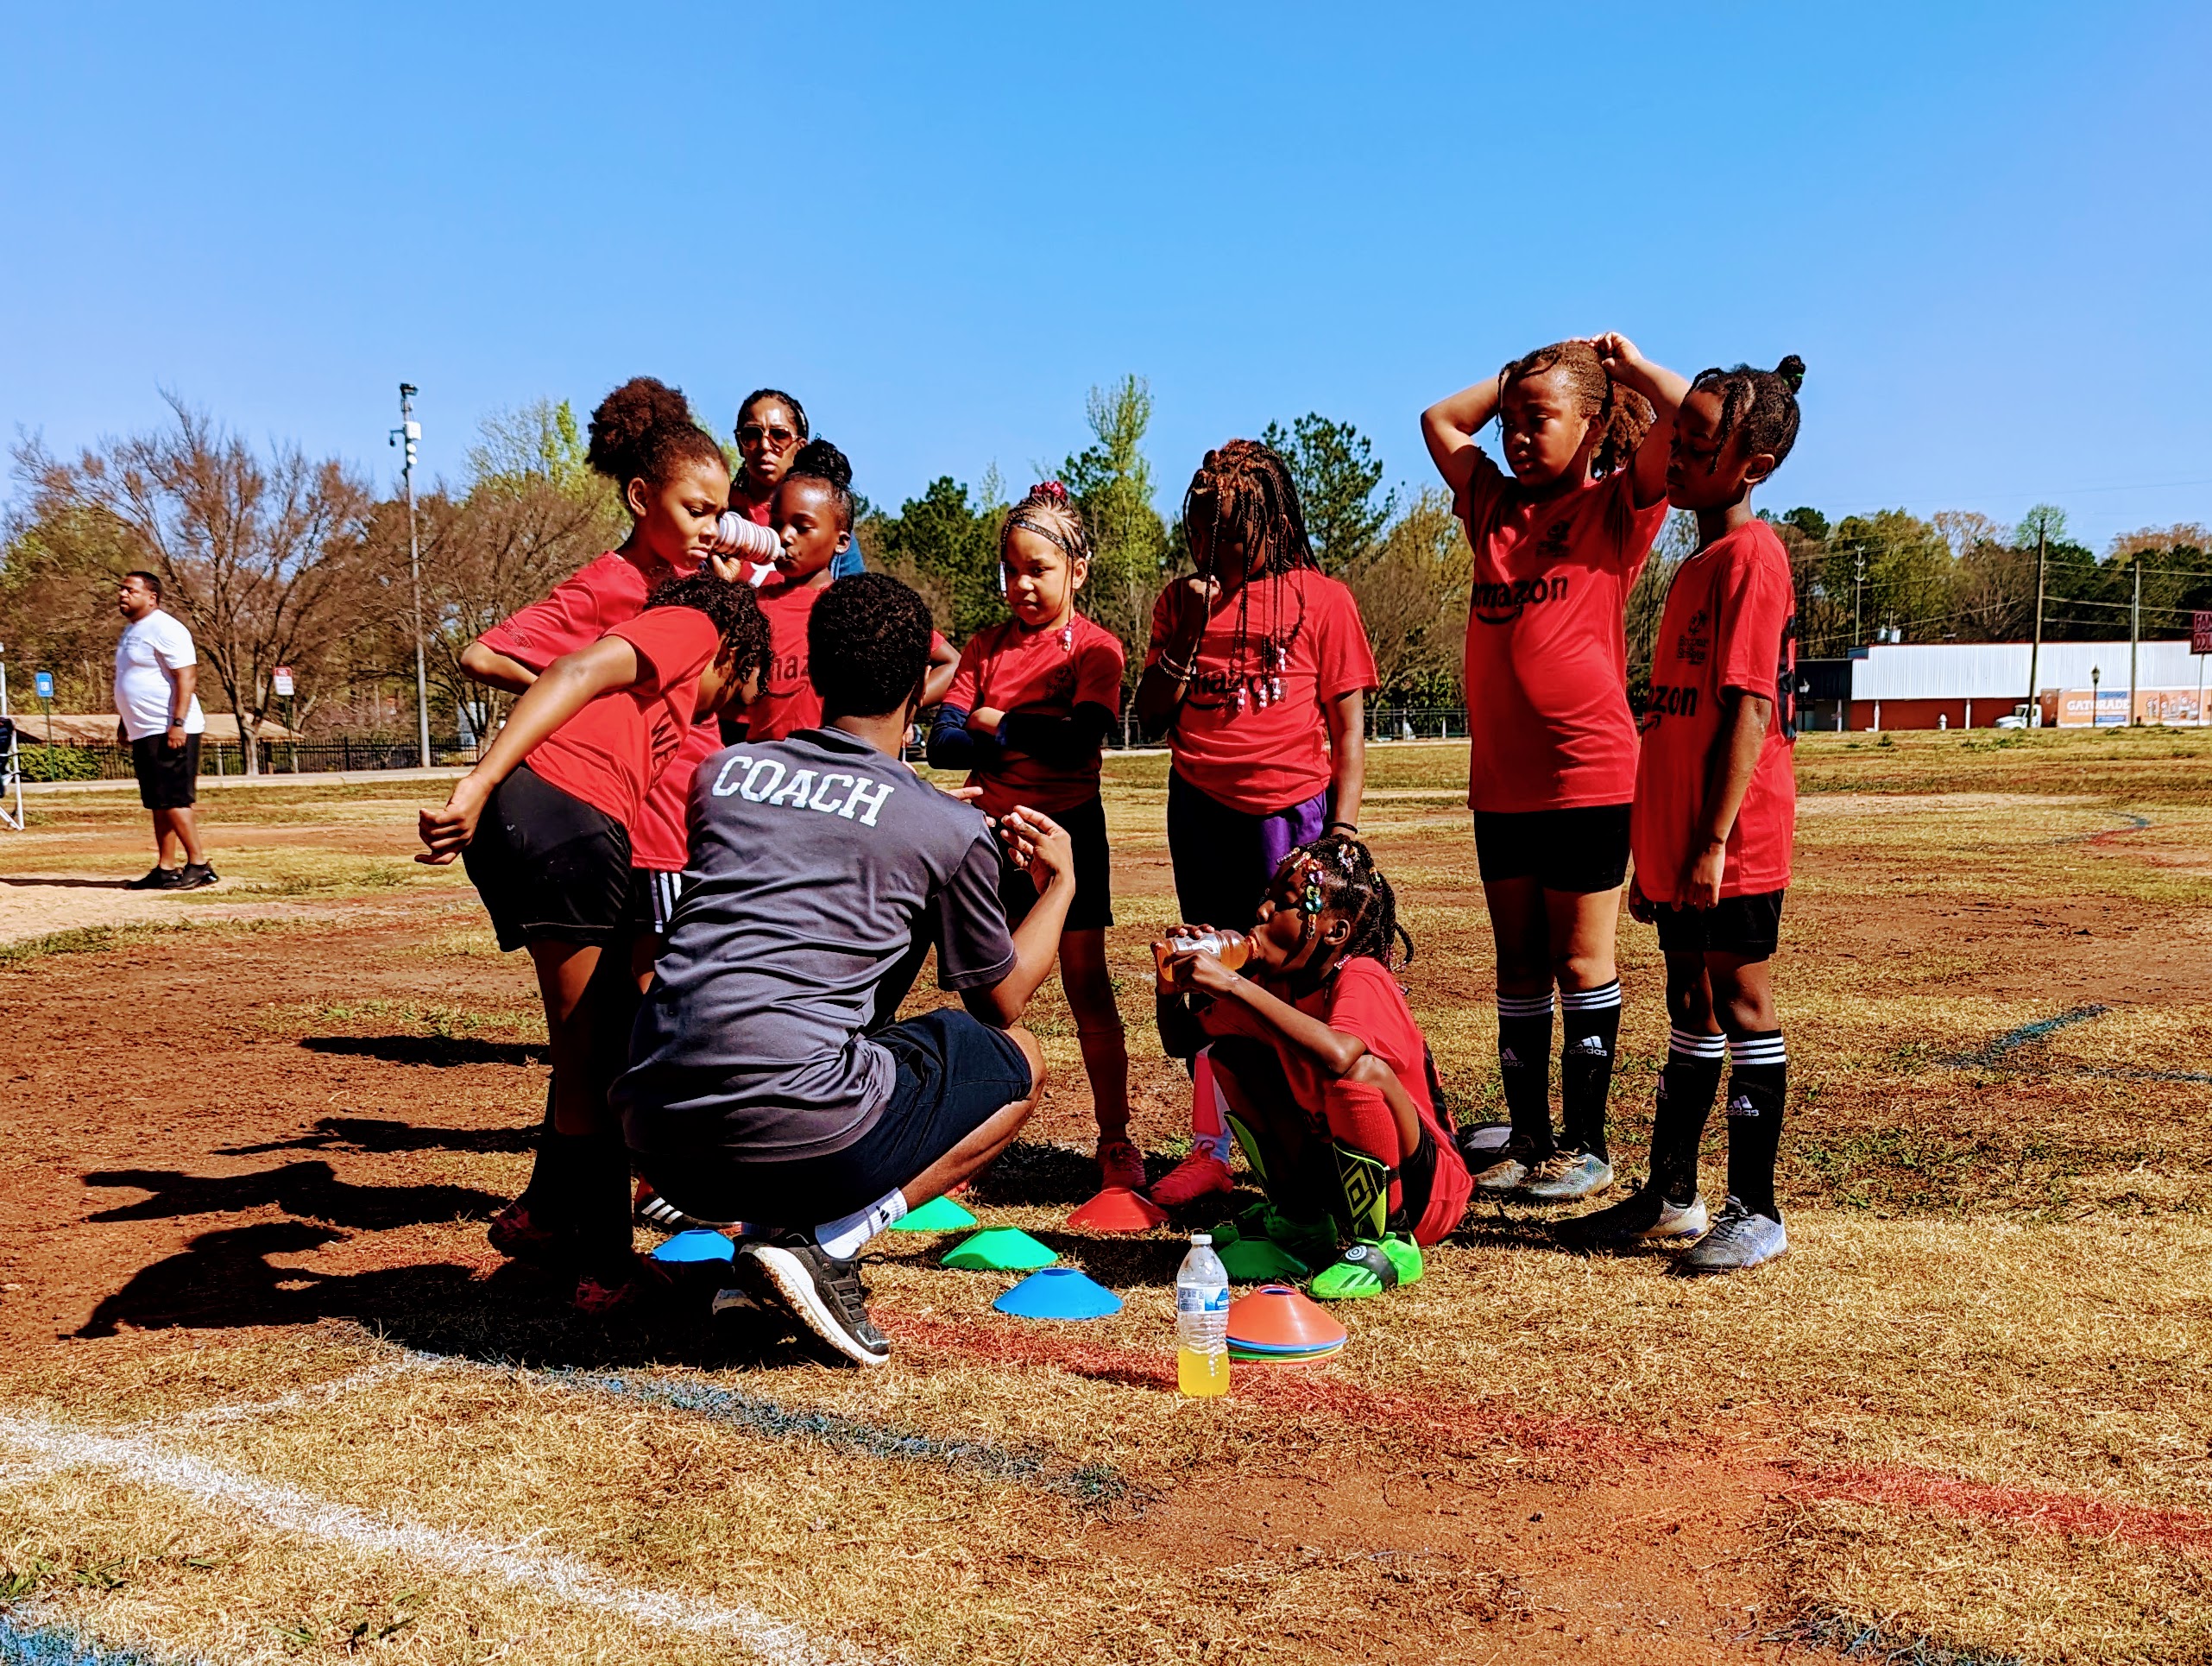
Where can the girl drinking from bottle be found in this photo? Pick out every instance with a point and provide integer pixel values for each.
(1026, 715)
(1324, 1078)
(1558, 544)
(1258, 669)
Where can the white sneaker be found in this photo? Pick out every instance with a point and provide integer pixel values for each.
(1739, 1241)
(1644, 1216)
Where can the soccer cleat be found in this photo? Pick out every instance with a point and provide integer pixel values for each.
(1644, 1216)
(1507, 1169)
(1120, 1164)
(196, 876)
(1191, 1179)
(521, 1235)
(1566, 1177)
(825, 1293)
(1738, 1241)
(615, 1289)
(1369, 1268)
(156, 878)
(653, 1210)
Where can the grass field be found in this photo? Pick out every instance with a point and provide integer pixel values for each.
(266, 1395)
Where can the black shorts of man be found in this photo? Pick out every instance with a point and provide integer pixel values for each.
(767, 1086)
(158, 717)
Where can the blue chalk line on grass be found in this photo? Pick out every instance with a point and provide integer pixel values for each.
(22, 1644)
(1093, 1484)
(2043, 1026)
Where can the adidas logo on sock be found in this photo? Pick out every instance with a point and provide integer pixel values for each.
(1742, 1106)
(1506, 1055)
(1591, 1045)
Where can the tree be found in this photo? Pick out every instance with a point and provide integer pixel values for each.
(262, 558)
(1337, 473)
(57, 594)
(539, 443)
(1412, 590)
(1908, 572)
(947, 547)
(1111, 481)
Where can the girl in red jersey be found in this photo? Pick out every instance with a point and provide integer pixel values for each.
(1558, 544)
(546, 823)
(1716, 808)
(1258, 671)
(1027, 714)
(673, 480)
(814, 517)
(1327, 1079)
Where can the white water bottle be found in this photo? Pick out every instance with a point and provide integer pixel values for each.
(1202, 1320)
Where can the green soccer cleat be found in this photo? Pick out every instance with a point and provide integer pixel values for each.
(1369, 1268)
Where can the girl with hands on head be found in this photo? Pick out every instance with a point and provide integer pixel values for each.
(1558, 534)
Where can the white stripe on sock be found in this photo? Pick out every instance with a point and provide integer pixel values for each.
(1525, 1006)
(1585, 1001)
(1757, 1049)
(1686, 1044)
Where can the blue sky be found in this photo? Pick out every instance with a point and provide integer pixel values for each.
(1985, 228)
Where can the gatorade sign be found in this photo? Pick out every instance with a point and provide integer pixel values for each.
(2200, 632)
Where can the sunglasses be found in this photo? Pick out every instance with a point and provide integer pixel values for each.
(752, 433)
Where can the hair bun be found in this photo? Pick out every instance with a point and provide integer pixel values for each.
(819, 459)
(1792, 370)
(626, 418)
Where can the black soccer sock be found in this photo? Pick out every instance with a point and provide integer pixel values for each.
(539, 1191)
(1589, 1025)
(1687, 1082)
(1755, 1087)
(594, 1178)
(1524, 1062)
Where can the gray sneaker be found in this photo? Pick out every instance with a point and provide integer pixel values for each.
(825, 1293)
(1564, 1177)
(1507, 1169)
(1644, 1216)
(1738, 1241)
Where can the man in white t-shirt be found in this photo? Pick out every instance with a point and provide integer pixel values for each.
(158, 716)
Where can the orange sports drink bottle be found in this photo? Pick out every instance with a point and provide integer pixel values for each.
(1232, 948)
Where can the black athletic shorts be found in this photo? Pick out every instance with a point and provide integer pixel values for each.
(653, 895)
(168, 776)
(550, 866)
(1582, 849)
(1092, 909)
(954, 1074)
(1749, 926)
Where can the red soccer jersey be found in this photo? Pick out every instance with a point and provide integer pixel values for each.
(580, 610)
(1013, 668)
(1364, 999)
(1729, 623)
(611, 753)
(788, 702)
(1546, 664)
(1272, 754)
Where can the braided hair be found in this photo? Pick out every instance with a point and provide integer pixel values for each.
(1621, 416)
(1048, 511)
(1763, 403)
(1337, 874)
(644, 430)
(1244, 493)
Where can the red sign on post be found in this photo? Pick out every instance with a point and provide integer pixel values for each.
(2200, 632)
(283, 678)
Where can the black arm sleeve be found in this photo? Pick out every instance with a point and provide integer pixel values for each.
(1063, 742)
(954, 745)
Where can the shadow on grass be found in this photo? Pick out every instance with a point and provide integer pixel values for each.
(429, 1049)
(381, 1134)
(310, 1191)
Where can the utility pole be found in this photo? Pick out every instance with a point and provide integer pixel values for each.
(1858, 591)
(406, 435)
(2035, 643)
(2134, 635)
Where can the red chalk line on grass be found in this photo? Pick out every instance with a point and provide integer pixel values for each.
(1296, 1390)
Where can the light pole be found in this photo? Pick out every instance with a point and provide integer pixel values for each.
(405, 435)
(2134, 636)
(2035, 643)
(2096, 674)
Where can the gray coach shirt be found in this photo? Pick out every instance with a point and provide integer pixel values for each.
(816, 863)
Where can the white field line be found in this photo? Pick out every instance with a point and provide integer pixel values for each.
(53, 1447)
(320, 1394)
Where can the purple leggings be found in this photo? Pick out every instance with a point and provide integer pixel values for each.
(1225, 858)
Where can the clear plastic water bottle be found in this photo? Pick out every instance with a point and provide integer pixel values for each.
(1202, 1320)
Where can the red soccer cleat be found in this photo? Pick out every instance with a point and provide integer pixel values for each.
(1192, 1179)
(1120, 1164)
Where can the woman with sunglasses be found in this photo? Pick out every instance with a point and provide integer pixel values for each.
(771, 428)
